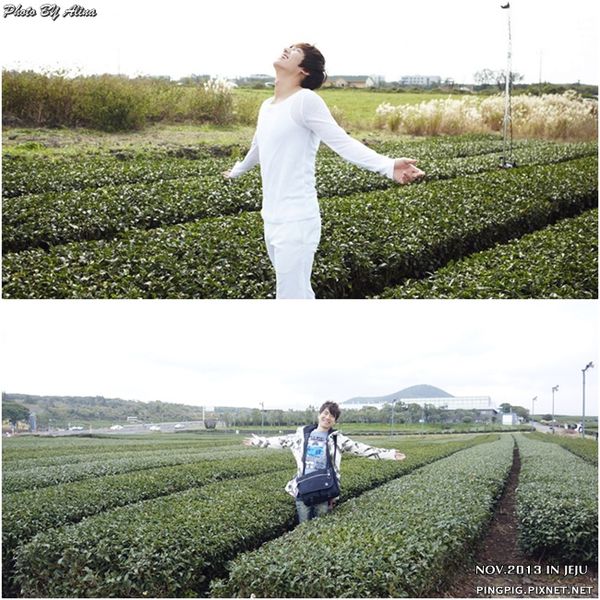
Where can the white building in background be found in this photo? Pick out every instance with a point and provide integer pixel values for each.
(421, 80)
(448, 403)
(510, 419)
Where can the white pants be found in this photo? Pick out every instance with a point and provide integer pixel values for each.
(291, 247)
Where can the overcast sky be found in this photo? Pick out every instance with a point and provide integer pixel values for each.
(296, 354)
(239, 37)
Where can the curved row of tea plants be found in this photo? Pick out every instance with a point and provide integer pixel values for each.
(43, 173)
(27, 513)
(557, 503)
(560, 261)
(102, 213)
(22, 478)
(584, 448)
(75, 450)
(369, 242)
(32, 448)
(23, 175)
(170, 545)
(402, 540)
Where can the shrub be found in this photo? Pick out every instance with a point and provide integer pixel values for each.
(403, 539)
(370, 241)
(560, 261)
(584, 448)
(172, 545)
(557, 504)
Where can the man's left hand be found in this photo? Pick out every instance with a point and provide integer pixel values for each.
(399, 456)
(406, 171)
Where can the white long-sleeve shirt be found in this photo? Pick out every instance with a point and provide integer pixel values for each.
(285, 144)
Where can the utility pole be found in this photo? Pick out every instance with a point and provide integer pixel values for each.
(588, 366)
(507, 161)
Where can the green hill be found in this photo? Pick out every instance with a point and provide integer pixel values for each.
(97, 409)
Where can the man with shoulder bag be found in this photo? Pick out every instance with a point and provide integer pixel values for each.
(317, 450)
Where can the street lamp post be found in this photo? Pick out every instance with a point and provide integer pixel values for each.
(588, 366)
(554, 389)
(532, 402)
(393, 407)
(262, 422)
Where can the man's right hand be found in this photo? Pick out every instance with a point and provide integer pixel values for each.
(226, 174)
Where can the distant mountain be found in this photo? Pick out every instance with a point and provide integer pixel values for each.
(414, 392)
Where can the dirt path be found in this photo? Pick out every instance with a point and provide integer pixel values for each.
(507, 572)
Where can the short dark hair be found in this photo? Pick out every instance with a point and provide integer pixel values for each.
(333, 409)
(314, 63)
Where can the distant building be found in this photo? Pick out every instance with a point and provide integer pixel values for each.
(510, 419)
(421, 80)
(356, 81)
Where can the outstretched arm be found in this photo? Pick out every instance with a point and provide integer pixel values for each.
(251, 159)
(360, 449)
(282, 441)
(314, 114)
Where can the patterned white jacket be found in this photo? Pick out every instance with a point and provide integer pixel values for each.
(295, 442)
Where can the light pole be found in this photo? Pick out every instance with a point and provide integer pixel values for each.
(507, 161)
(262, 422)
(393, 407)
(554, 389)
(588, 366)
(532, 402)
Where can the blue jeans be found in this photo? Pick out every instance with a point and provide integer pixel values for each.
(306, 513)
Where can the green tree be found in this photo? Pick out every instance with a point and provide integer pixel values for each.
(14, 412)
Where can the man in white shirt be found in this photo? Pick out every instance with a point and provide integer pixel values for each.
(290, 127)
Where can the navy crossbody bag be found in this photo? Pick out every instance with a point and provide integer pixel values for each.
(320, 485)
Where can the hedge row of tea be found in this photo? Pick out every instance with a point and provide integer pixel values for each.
(24, 514)
(171, 545)
(160, 198)
(370, 241)
(584, 448)
(22, 477)
(39, 173)
(404, 539)
(42, 173)
(560, 261)
(557, 503)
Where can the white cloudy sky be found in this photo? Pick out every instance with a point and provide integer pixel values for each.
(236, 37)
(294, 354)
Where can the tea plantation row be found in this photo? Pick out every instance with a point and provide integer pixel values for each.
(170, 545)
(370, 241)
(19, 478)
(24, 514)
(409, 537)
(404, 539)
(557, 503)
(46, 220)
(584, 448)
(560, 261)
(42, 174)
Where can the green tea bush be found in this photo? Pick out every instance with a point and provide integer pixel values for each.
(560, 261)
(23, 477)
(584, 448)
(557, 504)
(403, 539)
(172, 545)
(370, 241)
(27, 513)
(94, 203)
